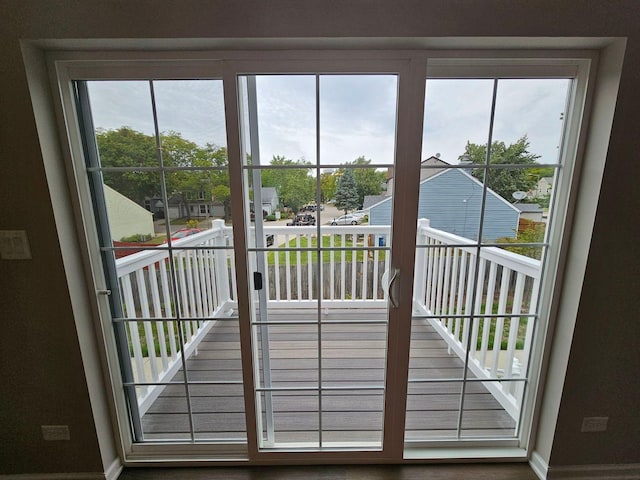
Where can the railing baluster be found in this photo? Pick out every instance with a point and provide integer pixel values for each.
(464, 258)
(528, 337)
(457, 253)
(502, 309)
(488, 310)
(332, 286)
(513, 328)
(440, 284)
(477, 309)
(468, 299)
(365, 271)
(310, 256)
(376, 258)
(148, 330)
(387, 262)
(134, 335)
(354, 268)
(168, 310)
(298, 269)
(276, 273)
(429, 280)
(157, 313)
(343, 267)
(445, 285)
(287, 271)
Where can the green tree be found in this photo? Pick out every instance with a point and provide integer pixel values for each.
(504, 181)
(295, 186)
(327, 186)
(368, 180)
(125, 147)
(347, 193)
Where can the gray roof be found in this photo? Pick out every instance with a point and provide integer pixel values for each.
(528, 207)
(268, 193)
(370, 200)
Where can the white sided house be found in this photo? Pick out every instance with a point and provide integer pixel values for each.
(452, 201)
(126, 217)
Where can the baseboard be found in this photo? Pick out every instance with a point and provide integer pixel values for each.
(593, 472)
(112, 473)
(114, 470)
(54, 476)
(539, 465)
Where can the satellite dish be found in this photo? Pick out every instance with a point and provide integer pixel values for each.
(519, 195)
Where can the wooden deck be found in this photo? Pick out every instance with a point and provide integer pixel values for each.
(352, 355)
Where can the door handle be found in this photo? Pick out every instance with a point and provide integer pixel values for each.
(257, 281)
(394, 276)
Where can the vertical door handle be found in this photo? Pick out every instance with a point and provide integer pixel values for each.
(257, 281)
(394, 276)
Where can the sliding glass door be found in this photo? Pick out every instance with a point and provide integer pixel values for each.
(315, 257)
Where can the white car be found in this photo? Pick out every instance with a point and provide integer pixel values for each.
(348, 219)
(360, 213)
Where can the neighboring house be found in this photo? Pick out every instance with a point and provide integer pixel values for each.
(370, 200)
(193, 205)
(270, 199)
(451, 200)
(530, 211)
(126, 217)
(424, 172)
(542, 188)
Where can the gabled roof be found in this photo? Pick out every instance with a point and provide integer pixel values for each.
(528, 207)
(370, 200)
(268, 193)
(445, 171)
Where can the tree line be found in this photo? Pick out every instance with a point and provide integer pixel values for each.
(295, 184)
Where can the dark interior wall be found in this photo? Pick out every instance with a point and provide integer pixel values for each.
(40, 363)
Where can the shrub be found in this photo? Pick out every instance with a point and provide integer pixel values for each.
(271, 218)
(138, 237)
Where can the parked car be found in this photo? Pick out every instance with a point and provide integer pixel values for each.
(360, 213)
(303, 219)
(348, 219)
(184, 232)
(311, 207)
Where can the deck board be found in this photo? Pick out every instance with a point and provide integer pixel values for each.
(352, 355)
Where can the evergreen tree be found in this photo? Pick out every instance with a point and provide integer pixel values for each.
(347, 193)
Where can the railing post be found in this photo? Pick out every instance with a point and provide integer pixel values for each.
(419, 284)
(222, 269)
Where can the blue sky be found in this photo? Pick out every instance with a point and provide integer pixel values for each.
(357, 114)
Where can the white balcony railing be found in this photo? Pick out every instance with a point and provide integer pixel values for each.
(498, 339)
(497, 342)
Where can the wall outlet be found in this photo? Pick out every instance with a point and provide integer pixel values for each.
(55, 432)
(594, 424)
(14, 245)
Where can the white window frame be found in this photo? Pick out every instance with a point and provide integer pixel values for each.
(570, 258)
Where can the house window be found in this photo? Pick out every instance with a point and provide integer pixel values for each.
(204, 209)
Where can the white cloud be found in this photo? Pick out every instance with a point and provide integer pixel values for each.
(357, 114)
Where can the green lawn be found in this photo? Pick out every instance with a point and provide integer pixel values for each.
(326, 255)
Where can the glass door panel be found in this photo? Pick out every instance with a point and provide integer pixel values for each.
(318, 150)
(484, 209)
(156, 162)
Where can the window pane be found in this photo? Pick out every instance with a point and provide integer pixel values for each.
(357, 118)
(191, 111)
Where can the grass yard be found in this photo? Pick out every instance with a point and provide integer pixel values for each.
(339, 241)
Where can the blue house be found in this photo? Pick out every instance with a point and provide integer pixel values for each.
(451, 199)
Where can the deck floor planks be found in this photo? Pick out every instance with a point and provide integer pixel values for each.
(352, 355)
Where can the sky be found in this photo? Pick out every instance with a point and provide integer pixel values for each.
(357, 114)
